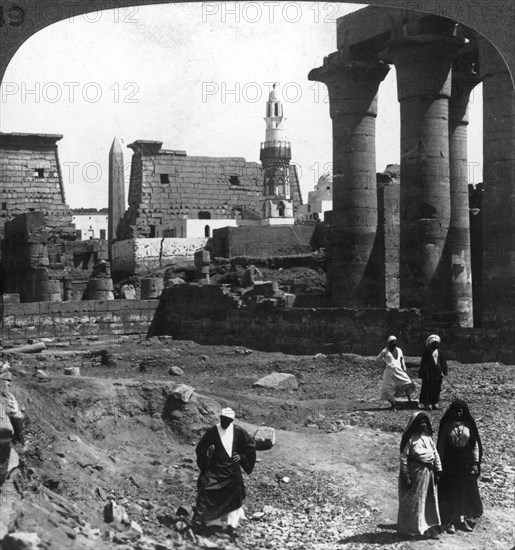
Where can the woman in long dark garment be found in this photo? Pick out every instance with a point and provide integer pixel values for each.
(433, 368)
(461, 452)
(419, 470)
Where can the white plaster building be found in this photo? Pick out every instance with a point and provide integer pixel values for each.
(320, 200)
(90, 223)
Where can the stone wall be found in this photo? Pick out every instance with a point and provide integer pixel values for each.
(70, 320)
(140, 256)
(264, 241)
(210, 315)
(169, 185)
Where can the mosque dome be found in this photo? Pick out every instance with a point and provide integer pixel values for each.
(325, 182)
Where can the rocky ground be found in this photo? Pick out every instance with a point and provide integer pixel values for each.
(329, 482)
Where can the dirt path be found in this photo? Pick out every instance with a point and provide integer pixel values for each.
(102, 436)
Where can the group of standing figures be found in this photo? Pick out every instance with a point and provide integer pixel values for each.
(438, 487)
(396, 381)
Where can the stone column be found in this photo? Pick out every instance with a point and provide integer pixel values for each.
(423, 65)
(464, 78)
(498, 211)
(355, 276)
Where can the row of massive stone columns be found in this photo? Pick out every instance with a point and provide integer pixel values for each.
(435, 270)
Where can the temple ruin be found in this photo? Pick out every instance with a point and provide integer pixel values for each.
(438, 62)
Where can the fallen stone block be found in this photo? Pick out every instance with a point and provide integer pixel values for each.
(176, 371)
(72, 371)
(29, 348)
(114, 513)
(128, 292)
(264, 438)
(21, 541)
(278, 381)
(183, 393)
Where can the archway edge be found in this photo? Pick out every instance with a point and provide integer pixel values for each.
(21, 19)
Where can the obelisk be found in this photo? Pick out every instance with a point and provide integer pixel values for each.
(116, 190)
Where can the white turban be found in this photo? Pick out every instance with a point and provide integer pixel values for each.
(392, 338)
(228, 413)
(432, 338)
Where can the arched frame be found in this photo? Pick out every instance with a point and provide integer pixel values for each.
(20, 19)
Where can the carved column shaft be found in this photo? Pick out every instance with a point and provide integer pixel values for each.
(355, 276)
(463, 81)
(423, 66)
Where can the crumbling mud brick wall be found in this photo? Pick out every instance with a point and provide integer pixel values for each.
(71, 320)
(168, 185)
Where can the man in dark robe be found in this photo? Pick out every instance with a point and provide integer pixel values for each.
(433, 368)
(223, 451)
(461, 452)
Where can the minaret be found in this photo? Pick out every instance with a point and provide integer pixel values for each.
(275, 157)
(116, 190)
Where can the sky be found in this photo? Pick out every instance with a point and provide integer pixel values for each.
(194, 76)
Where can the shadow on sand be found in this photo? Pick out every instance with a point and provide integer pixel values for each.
(388, 535)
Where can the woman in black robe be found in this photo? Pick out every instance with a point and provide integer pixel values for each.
(221, 490)
(433, 368)
(461, 452)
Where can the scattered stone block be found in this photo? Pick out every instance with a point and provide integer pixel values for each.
(278, 381)
(41, 374)
(183, 393)
(128, 292)
(175, 281)
(74, 437)
(204, 358)
(114, 513)
(251, 276)
(72, 371)
(176, 371)
(21, 541)
(264, 438)
(262, 288)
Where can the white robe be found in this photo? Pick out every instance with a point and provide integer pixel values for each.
(396, 381)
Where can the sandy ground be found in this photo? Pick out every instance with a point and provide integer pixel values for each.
(101, 436)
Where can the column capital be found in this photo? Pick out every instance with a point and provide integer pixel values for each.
(423, 64)
(352, 85)
(337, 65)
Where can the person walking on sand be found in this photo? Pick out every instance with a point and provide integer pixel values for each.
(223, 451)
(433, 367)
(420, 469)
(460, 449)
(396, 381)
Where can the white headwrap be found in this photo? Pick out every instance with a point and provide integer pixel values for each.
(432, 338)
(392, 338)
(228, 413)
